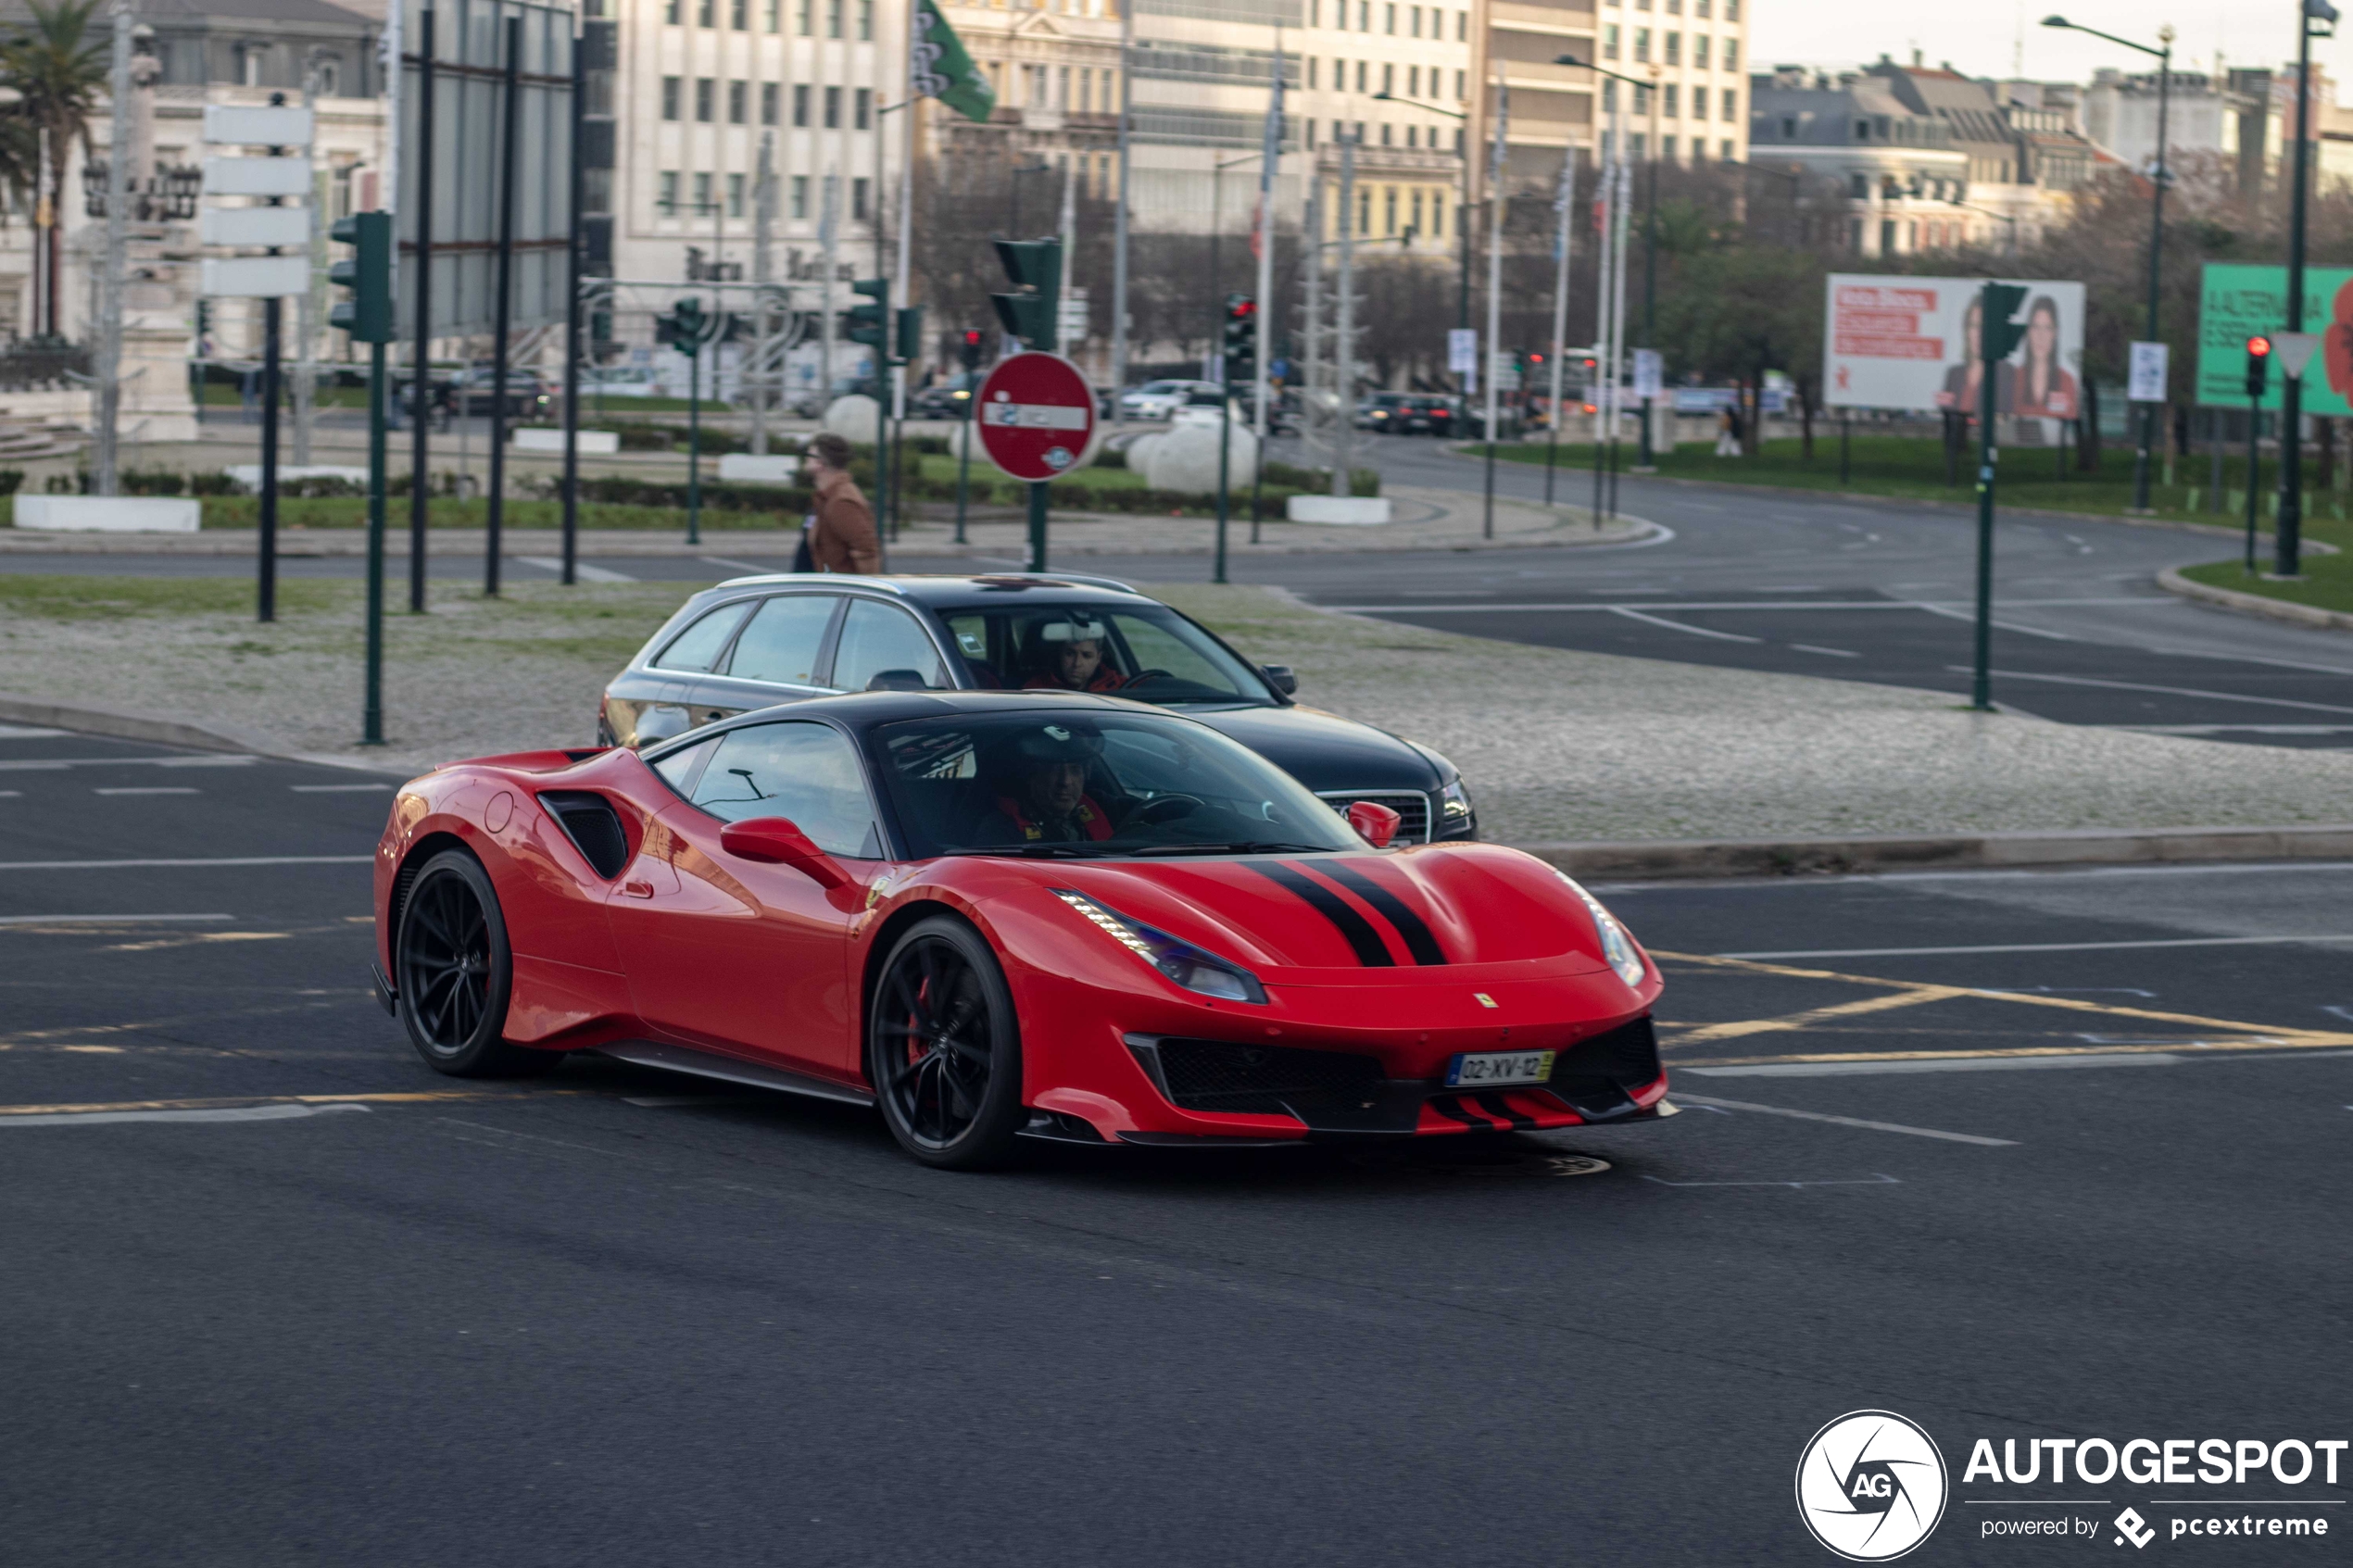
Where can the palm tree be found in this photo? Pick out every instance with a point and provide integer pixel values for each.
(59, 68)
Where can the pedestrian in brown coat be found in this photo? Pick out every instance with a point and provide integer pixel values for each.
(841, 523)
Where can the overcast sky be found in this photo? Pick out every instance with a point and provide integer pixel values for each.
(1982, 39)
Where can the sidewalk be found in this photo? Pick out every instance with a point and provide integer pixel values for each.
(1426, 519)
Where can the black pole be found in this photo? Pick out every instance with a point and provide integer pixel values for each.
(2157, 268)
(2254, 469)
(1648, 458)
(1981, 681)
(572, 322)
(1487, 505)
(503, 308)
(1597, 457)
(1037, 526)
(372, 728)
(421, 394)
(1225, 435)
(272, 313)
(1845, 462)
(694, 443)
(2289, 549)
(964, 465)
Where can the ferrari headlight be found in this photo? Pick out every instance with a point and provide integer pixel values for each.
(1179, 960)
(1617, 946)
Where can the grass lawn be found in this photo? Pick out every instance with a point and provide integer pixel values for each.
(1911, 469)
(2327, 582)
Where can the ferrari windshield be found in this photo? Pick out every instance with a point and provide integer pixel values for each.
(1090, 783)
(1147, 653)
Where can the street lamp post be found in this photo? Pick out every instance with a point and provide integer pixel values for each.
(2289, 550)
(1462, 204)
(1645, 459)
(2161, 177)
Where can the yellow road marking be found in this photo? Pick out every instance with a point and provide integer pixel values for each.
(411, 1098)
(1817, 1015)
(1926, 992)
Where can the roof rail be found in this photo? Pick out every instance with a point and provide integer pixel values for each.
(856, 579)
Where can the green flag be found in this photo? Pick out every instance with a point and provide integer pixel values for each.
(942, 69)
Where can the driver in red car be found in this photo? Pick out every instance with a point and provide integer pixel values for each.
(1041, 790)
(1068, 655)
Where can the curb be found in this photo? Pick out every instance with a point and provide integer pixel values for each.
(1665, 859)
(121, 724)
(2294, 614)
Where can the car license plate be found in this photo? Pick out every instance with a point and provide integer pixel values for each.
(1487, 1070)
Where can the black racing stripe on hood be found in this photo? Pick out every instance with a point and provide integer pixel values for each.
(1420, 940)
(1370, 949)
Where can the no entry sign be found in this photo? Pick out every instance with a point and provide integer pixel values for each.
(1037, 415)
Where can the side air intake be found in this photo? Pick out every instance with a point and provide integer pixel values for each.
(593, 825)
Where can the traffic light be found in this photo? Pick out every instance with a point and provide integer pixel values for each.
(2258, 367)
(2001, 333)
(367, 272)
(869, 324)
(911, 333)
(1241, 340)
(1034, 269)
(968, 349)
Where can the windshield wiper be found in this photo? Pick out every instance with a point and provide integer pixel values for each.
(1044, 851)
(1260, 847)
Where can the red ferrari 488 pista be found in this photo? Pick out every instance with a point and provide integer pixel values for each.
(998, 914)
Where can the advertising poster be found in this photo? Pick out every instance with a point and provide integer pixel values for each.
(1910, 344)
(2240, 300)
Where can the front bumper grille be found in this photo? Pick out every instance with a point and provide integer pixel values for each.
(1409, 804)
(1219, 1075)
(1598, 1076)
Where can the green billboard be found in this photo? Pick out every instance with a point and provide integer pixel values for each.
(2240, 301)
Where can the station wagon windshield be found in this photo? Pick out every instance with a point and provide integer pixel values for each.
(1146, 653)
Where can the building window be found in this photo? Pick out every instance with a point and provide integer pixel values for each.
(858, 199)
(1462, 27)
(330, 78)
(1674, 42)
(833, 108)
(1437, 216)
(803, 17)
(1724, 151)
(703, 194)
(1699, 103)
(768, 94)
(866, 21)
(1731, 54)
(673, 91)
(1385, 130)
(674, 12)
(1390, 18)
(739, 15)
(705, 13)
(1672, 109)
(1311, 71)
(1416, 21)
(1461, 95)
(1859, 187)
(735, 196)
(1667, 145)
(1728, 103)
(1061, 86)
(1701, 8)
(1388, 79)
(1634, 145)
(706, 99)
(832, 18)
(862, 109)
(1731, 10)
(801, 106)
(1314, 13)
(666, 201)
(1609, 40)
(1699, 51)
(1388, 210)
(250, 58)
(1609, 97)
(1413, 82)
(772, 14)
(738, 102)
(1360, 75)
(1411, 136)
(1365, 210)
(1642, 44)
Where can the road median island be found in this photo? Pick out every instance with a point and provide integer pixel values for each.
(1616, 766)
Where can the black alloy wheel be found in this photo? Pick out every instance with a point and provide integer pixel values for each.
(943, 1047)
(454, 973)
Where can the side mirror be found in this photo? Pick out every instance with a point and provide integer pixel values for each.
(1279, 676)
(1374, 822)
(774, 841)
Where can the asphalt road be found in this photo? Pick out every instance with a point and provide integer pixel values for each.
(1846, 588)
(2017, 1156)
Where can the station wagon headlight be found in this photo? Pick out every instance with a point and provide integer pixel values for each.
(1178, 960)
(1617, 948)
(1453, 808)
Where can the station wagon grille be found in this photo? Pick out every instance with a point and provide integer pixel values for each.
(1410, 804)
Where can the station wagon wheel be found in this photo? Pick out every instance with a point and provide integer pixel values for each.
(454, 973)
(943, 1047)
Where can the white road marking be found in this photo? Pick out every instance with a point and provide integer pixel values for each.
(754, 566)
(157, 789)
(1940, 1064)
(339, 789)
(1850, 1121)
(22, 732)
(218, 861)
(51, 764)
(1871, 1181)
(1834, 653)
(2044, 947)
(580, 569)
(2218, 868)
(225, 1113)
(2168, 691)
(1566, 606)
(1632, 614)
(1953, 614)
(104, 919)
(11, 794)
(2232, 729)
(666, 1102)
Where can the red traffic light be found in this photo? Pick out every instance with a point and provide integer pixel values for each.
(971, 337)
(2256, 348)
(1241, 310)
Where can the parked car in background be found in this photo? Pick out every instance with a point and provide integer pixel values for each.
(1159, 399)
(1203, 403)
(620, 380)
(473, 392)
(944, 399)
(1412, 413)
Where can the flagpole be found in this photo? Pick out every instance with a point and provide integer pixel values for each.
(1119, 221)
(1262, 241)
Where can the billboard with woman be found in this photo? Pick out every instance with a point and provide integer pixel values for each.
(1910, 345)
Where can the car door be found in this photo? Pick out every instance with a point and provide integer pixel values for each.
(776, 657)
(883, 645)
(739, 955)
